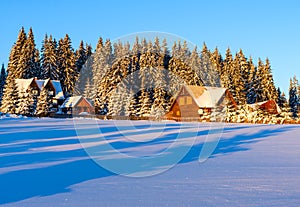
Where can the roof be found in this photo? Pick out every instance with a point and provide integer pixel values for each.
(23, 84)
(265, 104)
(206, 97)
(58, 90)
(42, 83)
(55, 83)
(71, 101)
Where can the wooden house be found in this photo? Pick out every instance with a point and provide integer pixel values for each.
(54, 89)
(269, 106)
(195, 102)
(77, 105)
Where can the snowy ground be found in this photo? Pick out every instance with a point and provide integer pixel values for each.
(42, 163)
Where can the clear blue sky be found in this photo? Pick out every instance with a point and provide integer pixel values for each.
(261, 28)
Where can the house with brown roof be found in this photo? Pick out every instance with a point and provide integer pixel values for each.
(77, 105)
(198, 102)
(269, 106)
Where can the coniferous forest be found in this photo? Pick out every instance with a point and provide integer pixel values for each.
(139, 79)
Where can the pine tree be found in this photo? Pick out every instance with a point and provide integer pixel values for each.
(14, 57)
(80, 57)
(49, 59)
(43, 103)
(26, 105)
(280, 98)
(2, 82)
(10, 99)
(293, 99)
(251, 84)
(68, 75)
(32, 65)
(225, 72)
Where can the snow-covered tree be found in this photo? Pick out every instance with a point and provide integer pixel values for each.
(43, 103)
(2, 82)
(10, 98)
(293, 99)
(67, 66)
(80, 57)
(26, 105)
(49, 59)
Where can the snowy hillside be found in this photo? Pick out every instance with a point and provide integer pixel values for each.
(43, 163)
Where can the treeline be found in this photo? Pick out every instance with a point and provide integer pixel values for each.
(137, 79)
(141, 78)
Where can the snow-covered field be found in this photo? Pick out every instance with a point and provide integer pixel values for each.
(43, 163)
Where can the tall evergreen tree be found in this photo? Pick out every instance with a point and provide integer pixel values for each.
(26, 105)
(67, 66)
(2, 82)
(293, 99)
(15, 55)
(81, 57)
(10, 99)
(43, 103)
(49, 59)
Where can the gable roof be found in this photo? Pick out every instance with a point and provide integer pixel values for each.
(205, 96)
(269, 105)
(42, 83)
(23, 84)
(56, 85)
(73, 101)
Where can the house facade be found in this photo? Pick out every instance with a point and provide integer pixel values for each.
(35, 86)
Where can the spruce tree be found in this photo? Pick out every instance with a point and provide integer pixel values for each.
(49, 59)
(251, 84)
(67, 66)
(2, 82)
(81, 57)
(293, 99)
(26, 105)
(43, 103)
(14, 57)
(10, 98)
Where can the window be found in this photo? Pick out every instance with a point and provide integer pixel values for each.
(177, 113)
(181, 101)
(50, 93)
(189, 100)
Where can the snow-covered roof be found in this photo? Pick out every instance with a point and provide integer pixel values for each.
(206, 97)
(23, 84)
(258, 105)
(58, 90)
(42, 83)
(71, 101)
(55, 83)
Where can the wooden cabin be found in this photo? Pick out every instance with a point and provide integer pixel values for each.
(77, 105)
(54, 89)
(195, 102)
(269, 106)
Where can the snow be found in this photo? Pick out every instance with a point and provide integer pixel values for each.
(43, 163)
(210, 97)
(58, 90)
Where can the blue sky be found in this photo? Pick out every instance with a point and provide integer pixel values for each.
(261, 28)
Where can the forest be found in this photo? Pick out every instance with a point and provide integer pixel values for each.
(140, 78)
